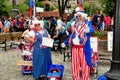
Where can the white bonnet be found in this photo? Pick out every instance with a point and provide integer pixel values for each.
(37, 22)
(41, 23)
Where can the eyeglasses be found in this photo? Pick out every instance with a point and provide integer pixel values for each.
(37, 24)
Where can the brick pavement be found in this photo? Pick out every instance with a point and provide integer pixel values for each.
(10, 71)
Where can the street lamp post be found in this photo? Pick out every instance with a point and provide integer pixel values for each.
(14, 10)
(34, 9)
(114, 72)
(80, 1)
(13, 3)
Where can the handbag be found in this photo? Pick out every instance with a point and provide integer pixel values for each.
(55, 72)
(48, 42)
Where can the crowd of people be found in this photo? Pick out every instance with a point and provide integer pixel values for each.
(102, 21)
(21, 23)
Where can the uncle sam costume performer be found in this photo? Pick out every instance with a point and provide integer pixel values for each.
(80, 46)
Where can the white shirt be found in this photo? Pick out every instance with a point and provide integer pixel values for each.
(60, 23)
(7, 24)
(31, 34)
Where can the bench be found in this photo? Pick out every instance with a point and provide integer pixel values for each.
(9, 39)
(66, 52)
(60, 41)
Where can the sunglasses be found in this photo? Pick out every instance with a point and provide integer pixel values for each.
(79, 16)
(37, 24)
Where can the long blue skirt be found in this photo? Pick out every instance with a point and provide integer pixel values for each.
(41, 61)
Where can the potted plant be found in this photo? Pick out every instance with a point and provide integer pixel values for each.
(100, 34)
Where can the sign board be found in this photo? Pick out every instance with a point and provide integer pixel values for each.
(38, 9)
(110, 40)
(94, 43)
(24, 63)
(47, 42)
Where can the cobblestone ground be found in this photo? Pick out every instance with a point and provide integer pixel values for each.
(10, 71)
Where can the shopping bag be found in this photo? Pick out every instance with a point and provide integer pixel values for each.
(55, 71)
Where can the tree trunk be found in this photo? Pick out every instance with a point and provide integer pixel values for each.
(61, 6)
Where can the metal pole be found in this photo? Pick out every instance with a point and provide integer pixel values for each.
(81, 0)
(34, 9)
(114, 72)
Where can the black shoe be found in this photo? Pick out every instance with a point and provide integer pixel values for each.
(42, 77)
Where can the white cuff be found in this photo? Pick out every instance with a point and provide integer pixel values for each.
(63, 45)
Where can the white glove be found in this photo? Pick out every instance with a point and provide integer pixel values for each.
(63, 45)
(87, 29)
(76, 41)
(23, 42)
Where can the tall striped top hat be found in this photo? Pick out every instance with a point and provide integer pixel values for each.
(80, 11)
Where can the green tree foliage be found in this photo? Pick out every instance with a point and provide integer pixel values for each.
(52, 8)
(39, 4)
(108, 6)
(23, 8)
(26, 2)
(5, 8)
(90, 8)
(55, 5)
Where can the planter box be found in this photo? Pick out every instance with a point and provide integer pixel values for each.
(102, 46)
(102, 41)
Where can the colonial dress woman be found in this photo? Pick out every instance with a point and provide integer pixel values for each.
(41, 54)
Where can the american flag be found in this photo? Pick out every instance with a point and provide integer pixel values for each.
(32, 8)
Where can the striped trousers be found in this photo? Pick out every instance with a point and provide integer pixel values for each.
(80, 69)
